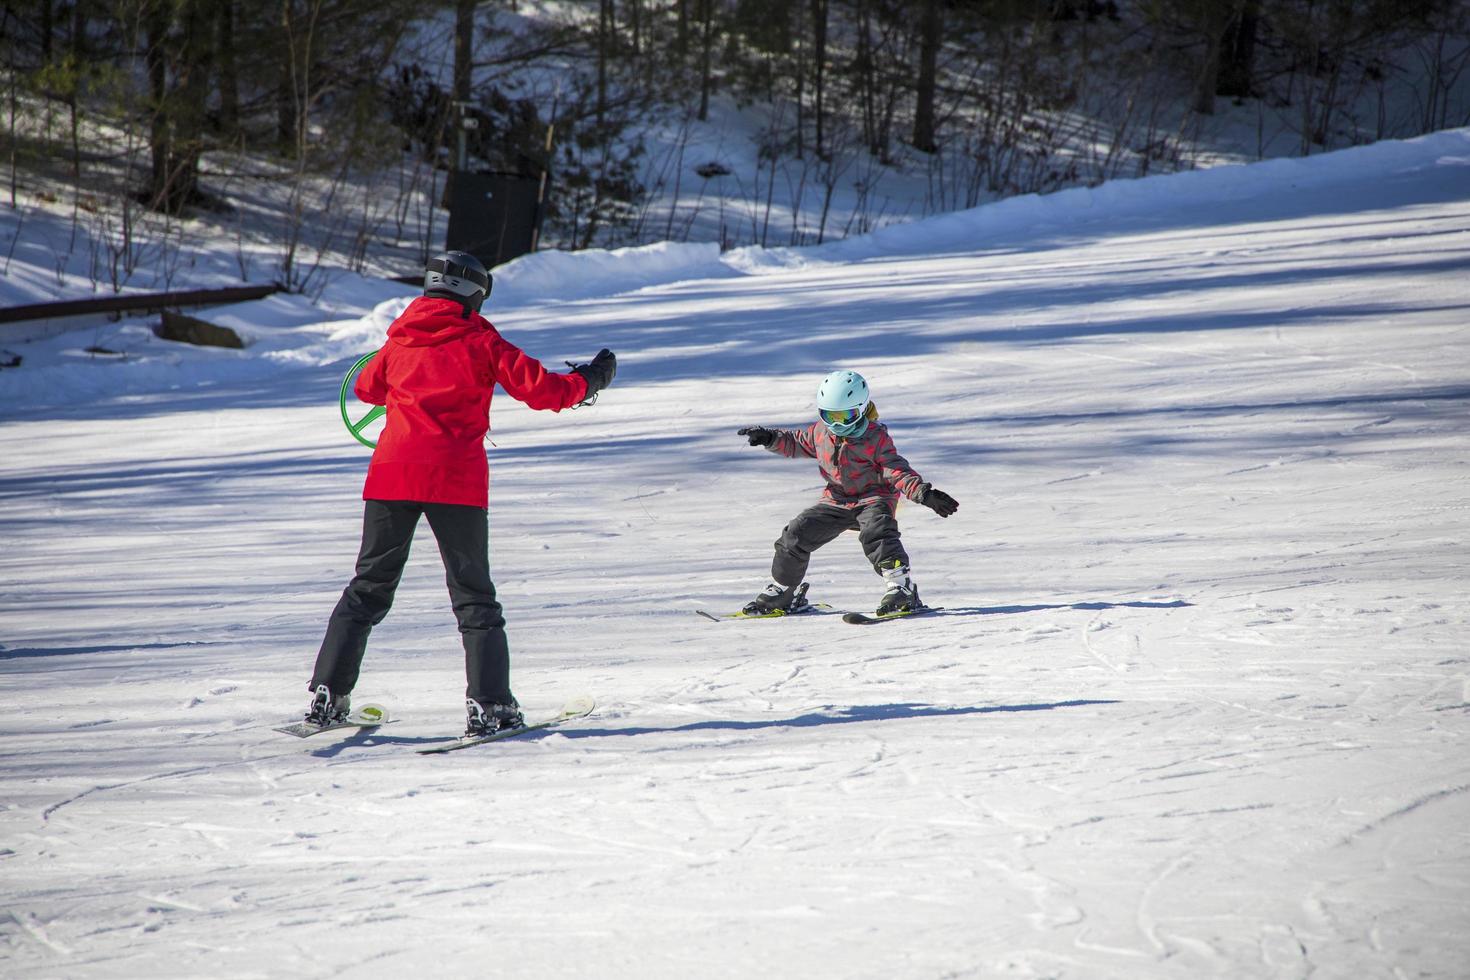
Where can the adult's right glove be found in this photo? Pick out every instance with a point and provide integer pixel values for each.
(758, 435)
(938, 501)
(598, 374)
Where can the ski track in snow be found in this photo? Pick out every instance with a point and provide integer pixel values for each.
(1196, 705)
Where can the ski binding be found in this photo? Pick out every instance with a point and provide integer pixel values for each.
(363, 716)
(799, 606)
(579, 707)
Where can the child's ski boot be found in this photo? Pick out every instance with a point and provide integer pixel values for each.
(777, 598)
(487, 719)
(326, 709)
(901, 595)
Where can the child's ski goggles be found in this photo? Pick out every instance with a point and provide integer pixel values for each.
(841, 416)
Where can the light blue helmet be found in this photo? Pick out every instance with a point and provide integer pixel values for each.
(842, 402)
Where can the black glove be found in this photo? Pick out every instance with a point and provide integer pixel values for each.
(758, 435)
(599, 373)
(938, 501)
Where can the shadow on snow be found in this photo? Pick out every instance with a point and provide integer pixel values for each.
(17, 653)
(840, 716)
(1043, 607)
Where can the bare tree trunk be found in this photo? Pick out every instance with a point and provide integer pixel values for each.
(1237, 57)
(819, 68)
(929, 35)
(604, 44)
(1309, 86)
(14, 143)
(299, 36)
(156, 64)
(464, 41)
(47, 27)
(72, 93)
(463, 82)
(1209, 74)
(800, 81)
(229, 76)
(286, 112)
(1322, 130)
(707, 40)
(863, 65)
(79, 32)
(186, 116)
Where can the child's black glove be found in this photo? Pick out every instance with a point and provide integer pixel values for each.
(758, 435)
(599, 374)
(938, 501)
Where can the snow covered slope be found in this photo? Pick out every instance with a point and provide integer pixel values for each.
(1197, 704)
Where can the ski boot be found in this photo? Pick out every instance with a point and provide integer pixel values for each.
(778, 598)
(327, 709)
(487, 719)
(901, 595)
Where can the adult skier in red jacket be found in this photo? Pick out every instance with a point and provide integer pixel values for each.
(436, 375)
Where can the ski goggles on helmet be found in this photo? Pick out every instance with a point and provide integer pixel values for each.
(841, 416)
(449, 268)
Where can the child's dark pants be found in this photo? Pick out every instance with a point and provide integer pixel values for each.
(387, 531)
(875, 524)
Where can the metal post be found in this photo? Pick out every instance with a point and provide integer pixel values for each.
(545, 168)
(466, 123)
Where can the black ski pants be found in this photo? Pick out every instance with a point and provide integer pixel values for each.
(875, 524)
(464, 544)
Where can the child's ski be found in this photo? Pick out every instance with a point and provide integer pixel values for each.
(363, 716)
(811, 607)
(798, 606)
(573, 709)
(862, 619)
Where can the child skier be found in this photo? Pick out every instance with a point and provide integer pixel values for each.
(436, 374)
(865, 476)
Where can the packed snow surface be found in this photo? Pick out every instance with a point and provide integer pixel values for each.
(1196, 704)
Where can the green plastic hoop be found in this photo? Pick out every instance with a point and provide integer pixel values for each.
(377, 410)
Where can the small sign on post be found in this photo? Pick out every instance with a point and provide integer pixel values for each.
(494, 217)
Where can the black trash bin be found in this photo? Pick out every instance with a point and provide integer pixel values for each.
(492, 216)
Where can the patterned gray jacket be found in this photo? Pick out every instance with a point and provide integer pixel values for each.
(858, 471)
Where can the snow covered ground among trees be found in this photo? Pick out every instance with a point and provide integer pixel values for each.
(1196, 704)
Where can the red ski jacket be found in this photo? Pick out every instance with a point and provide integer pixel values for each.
(859, 470)
(436, 374)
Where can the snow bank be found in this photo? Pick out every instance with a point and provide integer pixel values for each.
(1164, 195)
(353, 313)
(601, 272)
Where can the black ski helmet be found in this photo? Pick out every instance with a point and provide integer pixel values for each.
(457, 275)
